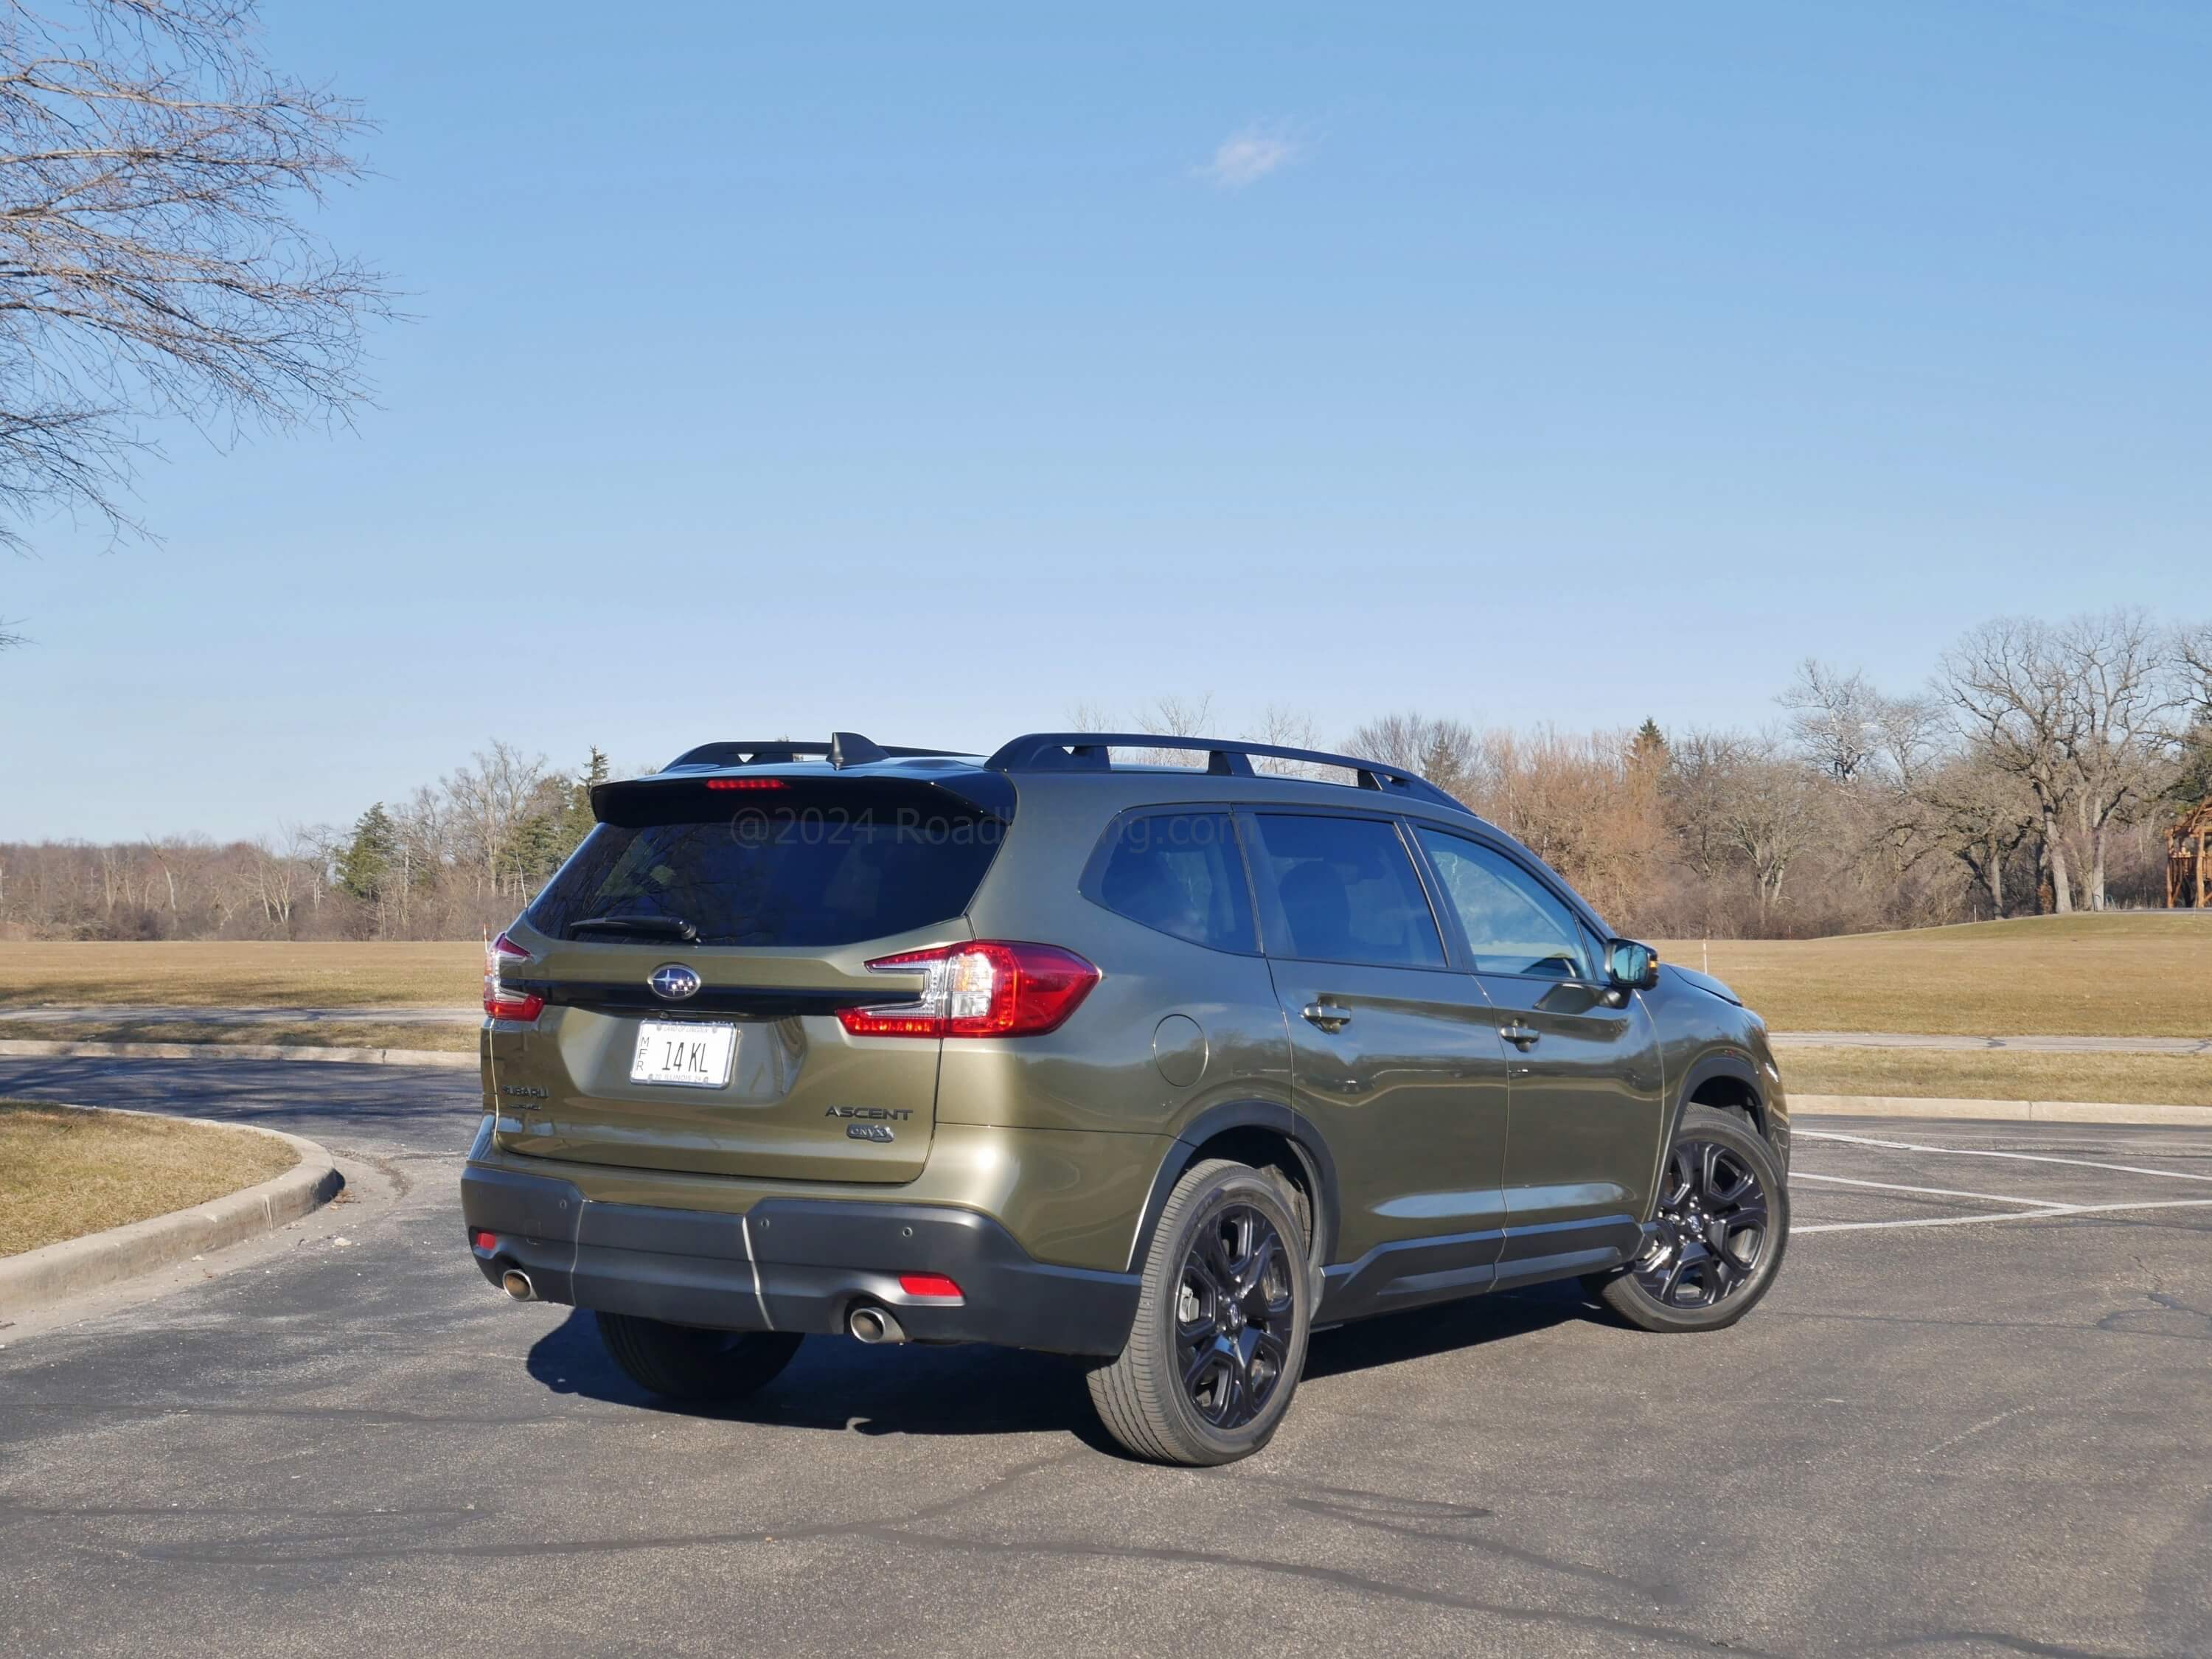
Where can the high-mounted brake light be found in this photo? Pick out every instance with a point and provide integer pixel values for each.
(746, 783)
(499, 1002)
(991, 987)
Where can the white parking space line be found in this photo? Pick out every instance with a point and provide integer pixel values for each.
(1931, 1192)
(1981, 1152)
(2047, 1213)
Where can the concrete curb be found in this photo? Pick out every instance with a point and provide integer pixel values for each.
(38, 1278)
(2009, 1111)
(28, 1047)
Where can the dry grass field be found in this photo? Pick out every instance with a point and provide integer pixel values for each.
(325, 1034)
(66, 1173)
(230, 975)
(2132, 1079)
(2135, 975)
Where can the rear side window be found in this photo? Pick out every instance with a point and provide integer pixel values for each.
(1347, 891)
(824, 873)
(1180, 873)
(1515, 925)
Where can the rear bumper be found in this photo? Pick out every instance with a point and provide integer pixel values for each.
(791, 1264)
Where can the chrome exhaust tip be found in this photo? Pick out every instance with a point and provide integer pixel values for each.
(874, 1325)
(516, 1283)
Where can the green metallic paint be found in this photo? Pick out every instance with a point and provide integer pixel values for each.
(1431, 1125)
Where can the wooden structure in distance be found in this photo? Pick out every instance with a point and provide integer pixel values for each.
(2188, 859)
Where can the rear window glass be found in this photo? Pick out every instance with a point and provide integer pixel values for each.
(1180, 873)
(804, 875)
(1346, 892)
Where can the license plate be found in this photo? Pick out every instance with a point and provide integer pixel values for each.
(681, 1052)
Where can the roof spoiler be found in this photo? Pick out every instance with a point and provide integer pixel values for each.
(844, 749)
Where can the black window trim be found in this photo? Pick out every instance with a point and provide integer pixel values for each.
(1461, 948)
(1267, 911)
(1094, 868)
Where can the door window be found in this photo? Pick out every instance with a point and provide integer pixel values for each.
(1514, 923)
(1181, 873)
(1345, 890)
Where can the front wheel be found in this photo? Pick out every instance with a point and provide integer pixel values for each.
(1718, 1234)
(1219, 1337)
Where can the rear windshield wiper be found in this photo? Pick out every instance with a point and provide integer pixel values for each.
(674, 928)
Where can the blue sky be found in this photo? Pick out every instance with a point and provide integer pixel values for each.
(928, 370)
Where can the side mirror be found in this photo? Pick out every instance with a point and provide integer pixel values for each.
(1629, 966)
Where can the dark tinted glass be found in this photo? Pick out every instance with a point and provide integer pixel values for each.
(804, 876)
(1180, 873)
(1347, 892)
(1514, 923)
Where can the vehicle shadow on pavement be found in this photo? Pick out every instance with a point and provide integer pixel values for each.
(1420, 1333)
(839, 1384)
(847, 1387)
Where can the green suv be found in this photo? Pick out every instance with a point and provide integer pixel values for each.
(1162, 1066)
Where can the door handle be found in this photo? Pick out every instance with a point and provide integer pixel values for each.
(1326, 1015)
(1523, 1037)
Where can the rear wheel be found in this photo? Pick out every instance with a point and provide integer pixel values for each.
(684, 1363)
(1718, 1232)
(1219, 1337)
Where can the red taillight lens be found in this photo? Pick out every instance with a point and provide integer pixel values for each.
(486, 1242)
(989, 988)
(746, 783)
(936, 1286)
(498, 1001)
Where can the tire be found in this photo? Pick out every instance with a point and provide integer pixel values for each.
(1208, 1372)
(1723, 1215)
(683, 1363)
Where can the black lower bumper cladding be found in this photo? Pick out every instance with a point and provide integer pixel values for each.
(791, 1264)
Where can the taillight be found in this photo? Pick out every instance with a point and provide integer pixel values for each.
(499, 1002)
(988, 988)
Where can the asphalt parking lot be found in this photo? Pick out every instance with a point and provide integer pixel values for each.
(1974, 1417)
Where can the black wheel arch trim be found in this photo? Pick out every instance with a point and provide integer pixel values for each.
(1737, 1065)
(1275, 1119)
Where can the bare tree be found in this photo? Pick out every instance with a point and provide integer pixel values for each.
(2008, 680)
(1837, 718)
(151, 262)
(2119, 692)
(1446, 752)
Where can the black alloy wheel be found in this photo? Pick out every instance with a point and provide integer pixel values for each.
(1235, 1307)
(1711, 1230)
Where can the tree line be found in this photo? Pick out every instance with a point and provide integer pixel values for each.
(451, 861)
(2034, 773)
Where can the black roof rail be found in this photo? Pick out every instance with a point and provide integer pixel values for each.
(844, 749)
(1087, 751)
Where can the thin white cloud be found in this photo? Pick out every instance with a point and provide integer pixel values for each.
(1246, 157)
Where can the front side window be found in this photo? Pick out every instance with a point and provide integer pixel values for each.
(1514, 923)
(1180, 872)
(1346, 891)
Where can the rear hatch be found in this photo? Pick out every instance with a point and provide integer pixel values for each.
(722, 1053)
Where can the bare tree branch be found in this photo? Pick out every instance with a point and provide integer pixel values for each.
(152, 261)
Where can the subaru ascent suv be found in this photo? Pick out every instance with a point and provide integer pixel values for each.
(1162, 1066)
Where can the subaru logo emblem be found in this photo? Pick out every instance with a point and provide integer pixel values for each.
(673, 981)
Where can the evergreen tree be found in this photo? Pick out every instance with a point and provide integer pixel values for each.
(365, 867)
(576, 817)
(1650, 743)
